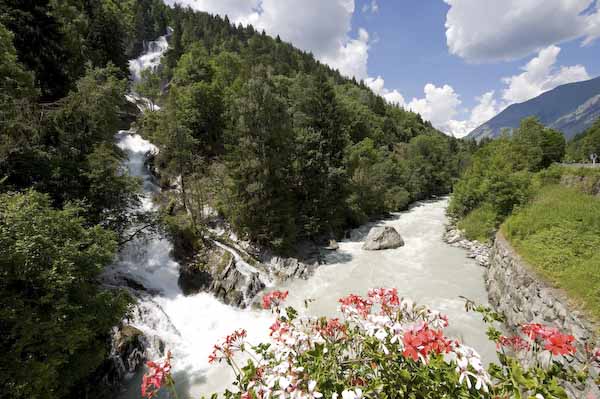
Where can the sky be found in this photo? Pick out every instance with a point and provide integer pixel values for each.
(456, 62)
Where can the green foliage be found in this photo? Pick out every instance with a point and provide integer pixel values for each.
(500, 172)
(304, 152)
(559, 235)
(583, 145)
(261, 203)
(480, 224)
(55, 319)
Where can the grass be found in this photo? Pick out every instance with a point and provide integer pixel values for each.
(558, 234)
(480, 224)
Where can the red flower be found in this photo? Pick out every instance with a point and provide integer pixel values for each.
(358, 303)
(157, 375)
(560, 344)
(536, 330)
(387, 297)
(334, 329)
(516, 343)
(274, 298)
(412, 344)
(423, 342)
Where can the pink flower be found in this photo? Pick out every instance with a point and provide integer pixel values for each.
(231, 344)
(155, 378)
(356, 303)
(273, 299)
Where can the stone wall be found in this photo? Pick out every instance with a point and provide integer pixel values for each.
(523, 297)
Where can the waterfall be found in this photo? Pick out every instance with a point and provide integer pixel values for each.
(186, 325)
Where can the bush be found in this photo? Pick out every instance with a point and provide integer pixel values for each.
(480, 224)
(54, 318)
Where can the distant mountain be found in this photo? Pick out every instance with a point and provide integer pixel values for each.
(569, 108)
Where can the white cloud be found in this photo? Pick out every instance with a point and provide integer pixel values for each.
(487, 107)
(371, 7)
(378, 86)
(236, 10)
(541, 75)
(484, 31)
(351, 57)
(322, 27)
(438, 106)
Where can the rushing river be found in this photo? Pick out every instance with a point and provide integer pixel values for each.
(425, 269)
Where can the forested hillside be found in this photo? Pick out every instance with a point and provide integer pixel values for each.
(281, 145)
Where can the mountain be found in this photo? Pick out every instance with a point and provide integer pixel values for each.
(570, 108)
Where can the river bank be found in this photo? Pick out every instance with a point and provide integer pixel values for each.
(476, 250)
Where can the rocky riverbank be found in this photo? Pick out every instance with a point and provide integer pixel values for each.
(475, 249)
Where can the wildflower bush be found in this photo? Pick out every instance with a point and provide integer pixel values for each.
(387, 347)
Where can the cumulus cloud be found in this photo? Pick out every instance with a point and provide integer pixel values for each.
(378, 86)
(540, 75)
(322, 27)
(486, 31)
(438, 106)
(350, 58)
(236, 10)
(487, 107)
(441, 104)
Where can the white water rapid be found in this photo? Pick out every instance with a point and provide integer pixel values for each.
(425, 269)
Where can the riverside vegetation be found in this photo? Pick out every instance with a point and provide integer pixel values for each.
(549, 212)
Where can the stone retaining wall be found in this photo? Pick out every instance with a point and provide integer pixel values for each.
(522, 296)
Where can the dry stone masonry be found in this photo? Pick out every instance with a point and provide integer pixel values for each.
(517, 292)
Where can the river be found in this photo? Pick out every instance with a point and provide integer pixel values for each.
(425, 269)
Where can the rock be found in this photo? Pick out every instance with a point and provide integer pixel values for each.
(333, 245)
(237, 286)
(383, 238)
(127, 355)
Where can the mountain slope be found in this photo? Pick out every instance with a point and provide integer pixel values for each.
(569, 108)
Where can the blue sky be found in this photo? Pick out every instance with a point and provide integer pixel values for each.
(457, 62)
(409, 49)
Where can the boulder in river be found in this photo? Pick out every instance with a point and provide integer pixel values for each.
(333, 245)
(383, 238)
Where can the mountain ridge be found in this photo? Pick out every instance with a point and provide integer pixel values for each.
(569, 108)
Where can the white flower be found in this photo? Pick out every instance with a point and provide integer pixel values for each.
(539, 396)
(312, 384)
(283, 382)
(352, 394)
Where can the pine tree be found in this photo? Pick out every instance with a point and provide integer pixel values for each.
(262, 206)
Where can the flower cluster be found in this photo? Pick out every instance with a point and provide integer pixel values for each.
(274, 299)
(381, 346)
(551, 338)
(158, 374)
(378, 329)
(232, 343)
(537, 338)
